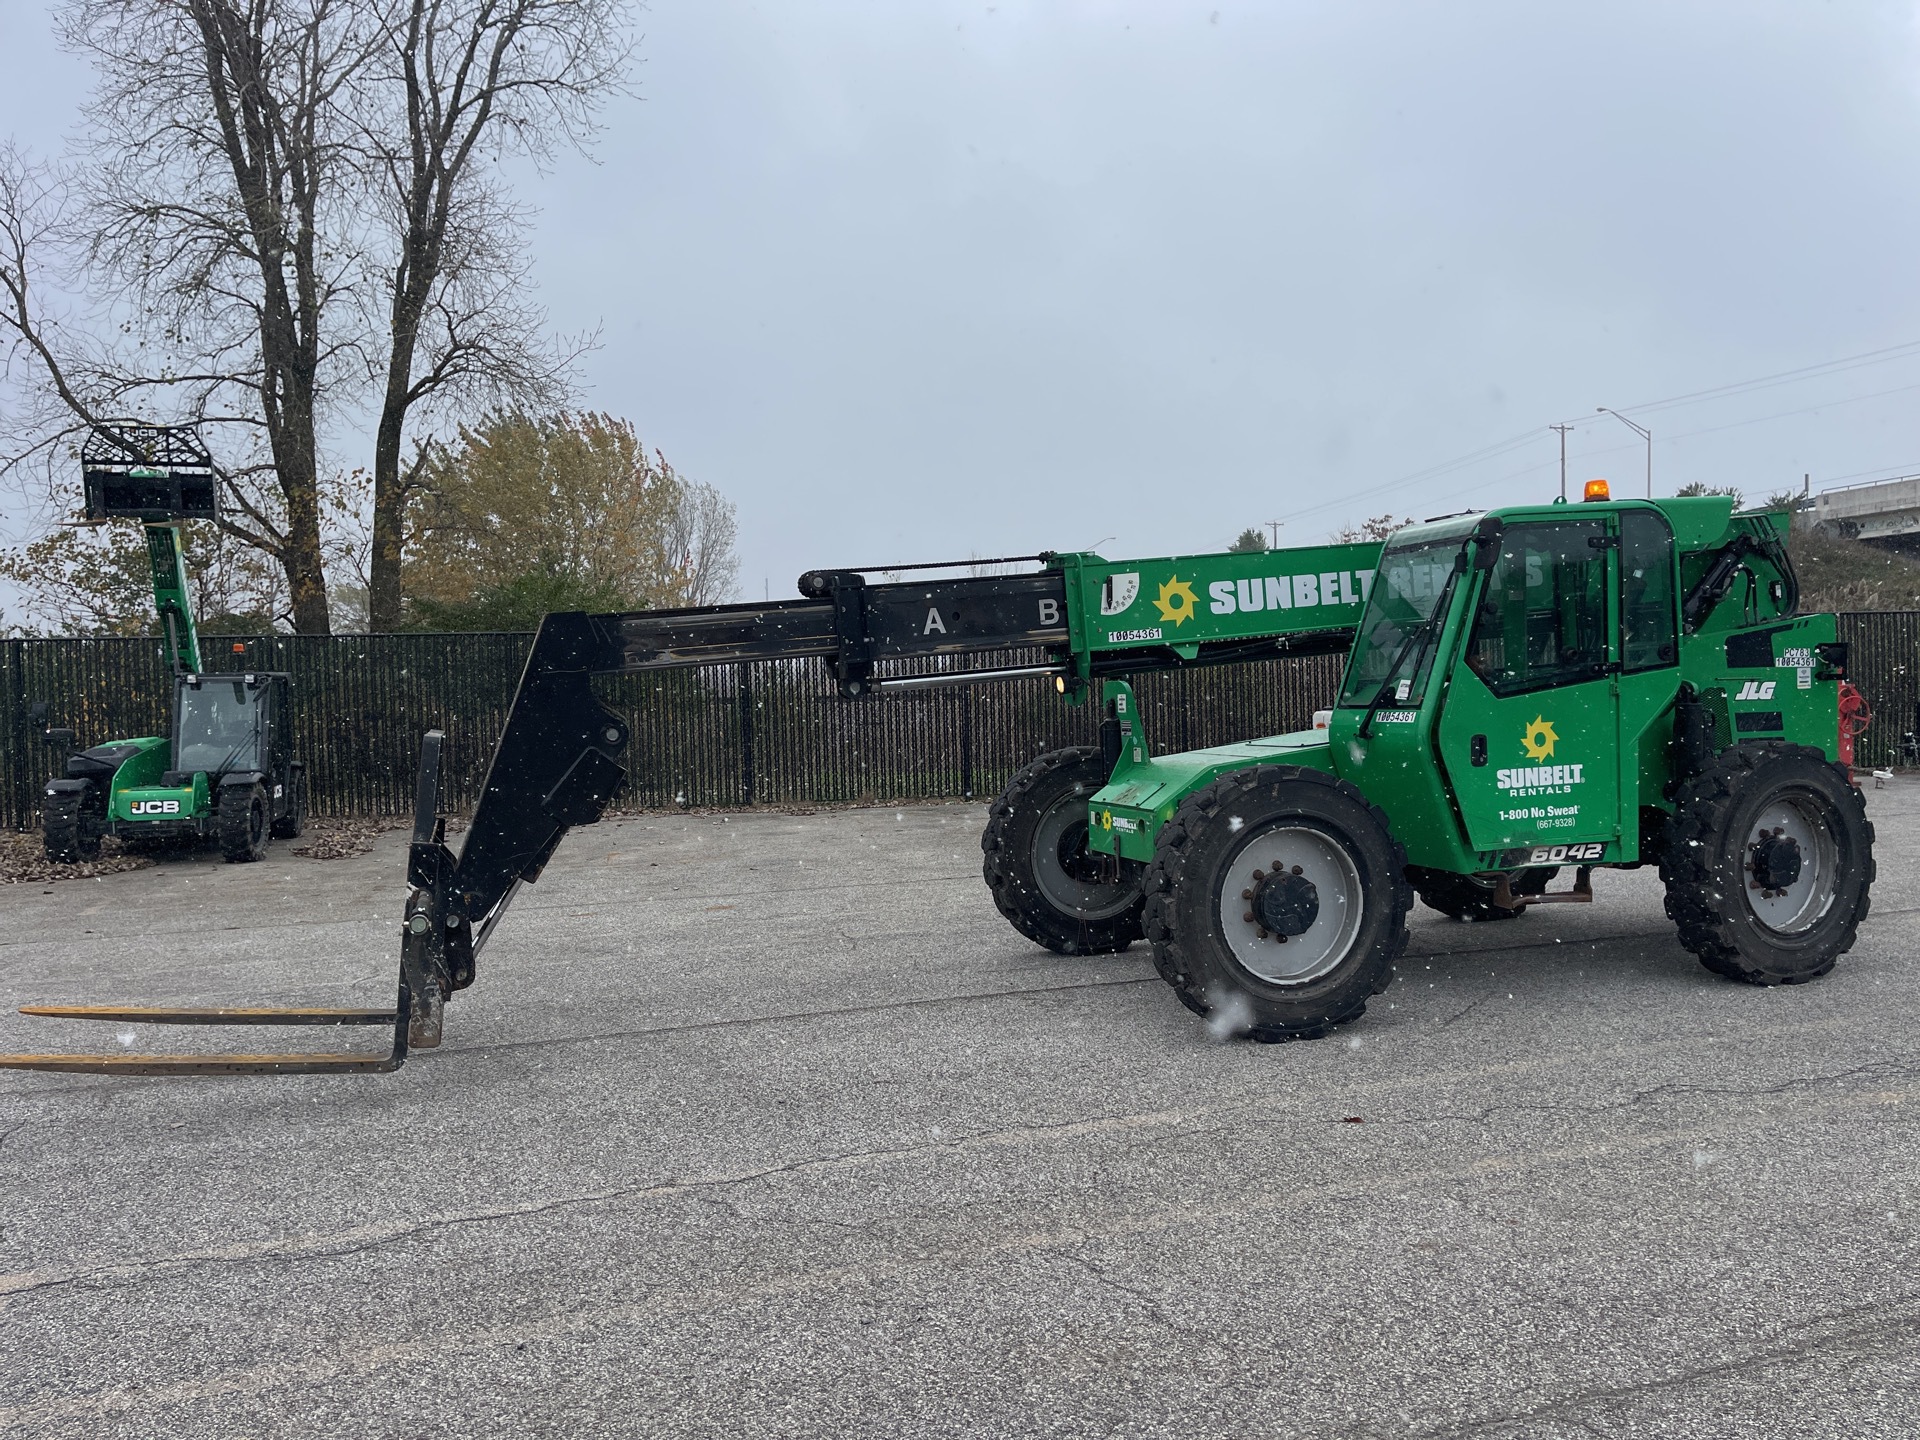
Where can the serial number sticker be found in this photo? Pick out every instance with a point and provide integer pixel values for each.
(1121, 637)
(1798, 658)
(1396, 717)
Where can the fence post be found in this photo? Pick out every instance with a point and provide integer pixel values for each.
(746, 733)
(966, 741)
(16, 713)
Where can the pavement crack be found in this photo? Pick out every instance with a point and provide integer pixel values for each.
(1148, 1304)
(1465, 1011)
(363, 1239)
(1877, 1070)
(1887, 1326)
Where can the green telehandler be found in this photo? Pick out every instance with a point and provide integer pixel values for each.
(226, 771)
(1605, 684)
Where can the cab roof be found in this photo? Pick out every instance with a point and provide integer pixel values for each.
(1698, 521)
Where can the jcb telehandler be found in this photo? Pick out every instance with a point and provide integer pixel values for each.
(227, 769)
(1608, 684)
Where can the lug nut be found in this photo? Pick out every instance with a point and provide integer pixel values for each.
(1296, 870)
(1248, 917)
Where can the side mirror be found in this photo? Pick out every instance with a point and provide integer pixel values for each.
(1486, 542)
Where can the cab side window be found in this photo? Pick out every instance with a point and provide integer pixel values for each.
(1648, 628)
(1542, 616)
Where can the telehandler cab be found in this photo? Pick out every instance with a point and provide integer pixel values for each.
(226, 769)
(1609, 684)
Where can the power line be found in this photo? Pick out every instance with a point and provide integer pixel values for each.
(1783, 377)
(1508, 446)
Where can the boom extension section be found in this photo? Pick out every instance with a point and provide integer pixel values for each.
(557, 762)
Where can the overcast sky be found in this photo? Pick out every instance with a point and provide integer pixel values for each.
(911, 281)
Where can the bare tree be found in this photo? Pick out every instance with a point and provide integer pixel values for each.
(220, 209)
(36, 228)
(195, 220)
(700, 535)
(465, 82)
(278, 201)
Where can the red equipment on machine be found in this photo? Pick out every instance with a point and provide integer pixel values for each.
(1855, 716)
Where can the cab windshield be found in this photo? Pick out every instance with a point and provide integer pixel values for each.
(218, 729)
(1389, 665)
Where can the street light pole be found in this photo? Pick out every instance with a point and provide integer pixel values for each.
(1640, 430)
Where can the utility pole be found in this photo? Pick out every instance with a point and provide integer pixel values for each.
(1274, 526)
(1563, 456)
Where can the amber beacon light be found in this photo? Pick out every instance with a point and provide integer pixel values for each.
(1597, 490)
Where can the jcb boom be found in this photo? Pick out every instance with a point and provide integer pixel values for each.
(1607, 684)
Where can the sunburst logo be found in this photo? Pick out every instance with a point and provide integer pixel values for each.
(1540, 739)
(1176, 601)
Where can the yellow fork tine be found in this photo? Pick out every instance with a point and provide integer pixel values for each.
(229, 1015)
(289, 1064)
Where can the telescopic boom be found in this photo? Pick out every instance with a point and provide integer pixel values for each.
(557, 763)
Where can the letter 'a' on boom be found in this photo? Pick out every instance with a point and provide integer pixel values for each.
(1075, 618)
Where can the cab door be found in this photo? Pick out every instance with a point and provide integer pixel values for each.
(1530, 733)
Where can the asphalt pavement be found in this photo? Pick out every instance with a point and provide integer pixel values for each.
(768, 1125)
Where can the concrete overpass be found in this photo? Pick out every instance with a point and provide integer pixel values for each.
(1886, 512)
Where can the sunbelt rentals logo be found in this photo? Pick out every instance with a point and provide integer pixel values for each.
(1175, 601)
(1539, 740)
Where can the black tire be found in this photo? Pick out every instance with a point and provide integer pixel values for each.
(1723, 850)
(243, 823)
(1036, 862)
(1327, 834)
(70, 828)
(1465, 897)
(289, 825)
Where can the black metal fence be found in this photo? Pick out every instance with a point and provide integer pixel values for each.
(768, 732)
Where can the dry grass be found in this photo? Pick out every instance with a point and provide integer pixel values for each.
(1838, 574)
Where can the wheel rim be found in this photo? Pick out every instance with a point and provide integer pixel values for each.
(1797, 907)
(1063, 865)
(1323, 861)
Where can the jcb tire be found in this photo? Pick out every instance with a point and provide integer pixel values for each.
(1768, 864)
(289, 825)
(1340, 895)
(1036, 862)
(1464, 898)
(70, 830)
(243, 823)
